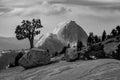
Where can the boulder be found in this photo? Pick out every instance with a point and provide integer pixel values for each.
(35, 57)
(71, 54)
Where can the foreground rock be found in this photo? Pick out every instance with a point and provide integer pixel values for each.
(102, 69)
(35, 57)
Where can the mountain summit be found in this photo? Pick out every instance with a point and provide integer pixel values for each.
(68, 32)
(71, 32)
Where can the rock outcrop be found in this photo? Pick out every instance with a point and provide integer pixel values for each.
(35, 57)
(51, 43)
(71, 32)
(64, 34)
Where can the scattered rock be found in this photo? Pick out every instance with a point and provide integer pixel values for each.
(35, 57)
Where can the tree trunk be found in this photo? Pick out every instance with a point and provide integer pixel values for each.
(31, 43)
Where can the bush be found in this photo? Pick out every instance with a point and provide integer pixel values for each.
(118, 39)
(94, 52)
(97, 47)
(116, 53)
(17, 58)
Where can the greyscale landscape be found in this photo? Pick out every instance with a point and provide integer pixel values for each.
(59, 40)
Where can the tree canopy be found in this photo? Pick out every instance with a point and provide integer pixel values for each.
(28, 29)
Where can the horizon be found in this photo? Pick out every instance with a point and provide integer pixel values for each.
(92, 15)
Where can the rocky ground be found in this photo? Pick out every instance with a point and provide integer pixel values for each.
(101, 69)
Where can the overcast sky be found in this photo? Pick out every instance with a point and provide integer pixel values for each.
(91, 15)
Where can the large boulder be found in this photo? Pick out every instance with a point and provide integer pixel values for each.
(67, 33)
(35, 57)
(71, 54)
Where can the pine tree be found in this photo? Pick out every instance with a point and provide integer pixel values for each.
(79, 45)
(96, 39)
(104, 36)
(90, 39)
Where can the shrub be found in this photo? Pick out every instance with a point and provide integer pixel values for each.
(19, 55)
(116, 53)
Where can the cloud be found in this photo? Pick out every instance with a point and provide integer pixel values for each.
(45, 8)
(106, 1)
(16, 11)
(57, 7)
(98, 8)
(109, 7)
(4, 10)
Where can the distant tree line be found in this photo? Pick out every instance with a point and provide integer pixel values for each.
(115, 32)
(95, 39)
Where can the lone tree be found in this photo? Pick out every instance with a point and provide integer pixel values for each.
(28, 29)
(104, 36)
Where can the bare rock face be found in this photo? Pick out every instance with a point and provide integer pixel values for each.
(71, 32)
(71, 54)
(35, 57)
(51, 43)
(68, 32)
